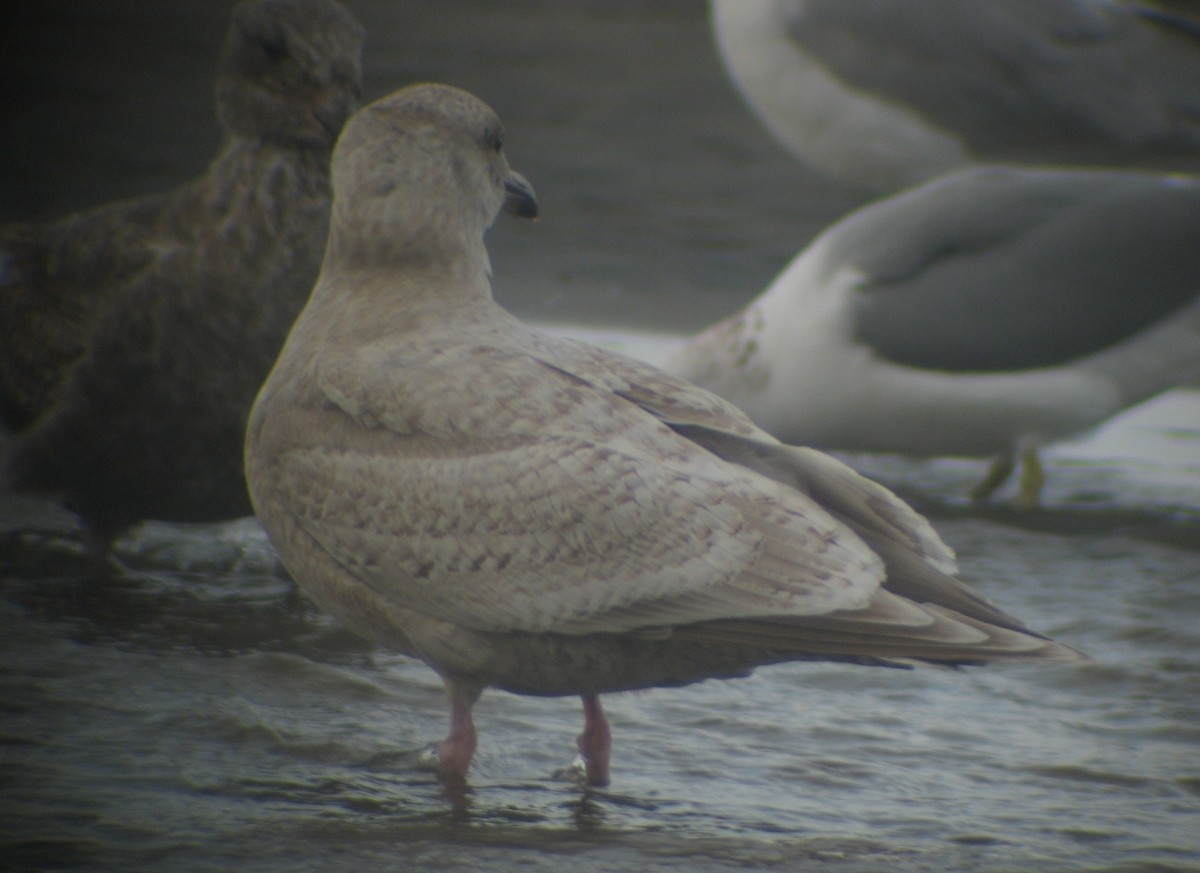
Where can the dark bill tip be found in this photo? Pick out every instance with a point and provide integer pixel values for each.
(519, 198)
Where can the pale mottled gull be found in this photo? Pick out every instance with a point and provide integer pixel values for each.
(535, 514)
(134, 336)
(984, 313)
(882, 94)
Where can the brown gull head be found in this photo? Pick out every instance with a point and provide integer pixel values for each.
(291, 71)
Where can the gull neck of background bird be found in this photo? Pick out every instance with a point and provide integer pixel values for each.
(864, 142)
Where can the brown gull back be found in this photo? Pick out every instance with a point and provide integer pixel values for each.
(134, 336)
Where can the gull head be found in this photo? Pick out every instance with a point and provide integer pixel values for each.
(420, 175)
(290, 72)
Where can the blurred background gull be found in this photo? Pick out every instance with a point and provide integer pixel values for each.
(983, 313)
(987, 312)
(883, 94)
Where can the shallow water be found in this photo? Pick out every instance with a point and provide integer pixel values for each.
(194, 713)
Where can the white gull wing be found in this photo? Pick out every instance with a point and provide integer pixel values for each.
(670, 535)
(497, 491)
(725, 430)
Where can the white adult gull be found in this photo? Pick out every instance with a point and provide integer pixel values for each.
(982, 314)
(535, 514)
(882, 94)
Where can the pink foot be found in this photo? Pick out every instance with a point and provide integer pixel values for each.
(455, 752)
(595, 743)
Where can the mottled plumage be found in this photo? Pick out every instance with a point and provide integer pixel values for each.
(134, 336)
(536, 514)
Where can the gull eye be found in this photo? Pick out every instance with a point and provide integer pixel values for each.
(274, 46)
(275, 50)
(493, 137)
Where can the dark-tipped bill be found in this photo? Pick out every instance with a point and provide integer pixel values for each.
(519, 198)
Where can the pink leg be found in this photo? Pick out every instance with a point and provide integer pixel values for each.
(455, 752)
(595, 743)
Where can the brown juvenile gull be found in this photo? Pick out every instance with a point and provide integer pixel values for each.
(882, 94)
(133, 337)
(535, 514)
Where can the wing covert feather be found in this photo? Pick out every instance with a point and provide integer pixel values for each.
(558, 529)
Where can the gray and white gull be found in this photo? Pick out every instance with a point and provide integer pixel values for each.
(134, 336)
(882, 94)
(535, 514)
(984, 313)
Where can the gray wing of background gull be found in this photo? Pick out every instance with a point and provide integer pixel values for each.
(953, 82)
(1011, 270)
